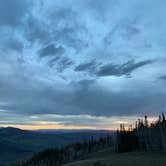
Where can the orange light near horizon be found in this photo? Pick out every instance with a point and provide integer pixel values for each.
(55, 127)
(102, 123)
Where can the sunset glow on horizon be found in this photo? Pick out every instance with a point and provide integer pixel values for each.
(106, 123)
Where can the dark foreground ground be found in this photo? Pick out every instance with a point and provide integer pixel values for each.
(107, 158)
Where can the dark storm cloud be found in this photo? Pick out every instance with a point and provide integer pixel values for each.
(100, 70)
(119, 70)
(99, 101)
(26, 93)
(65, 63)
(85, 97)
(12, 12)
(163, 77)
(51, 50)
(60, 63)
(88, 67)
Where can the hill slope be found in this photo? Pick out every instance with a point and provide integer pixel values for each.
(18, 144)
(108, 158)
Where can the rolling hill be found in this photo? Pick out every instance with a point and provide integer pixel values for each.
(17, 144)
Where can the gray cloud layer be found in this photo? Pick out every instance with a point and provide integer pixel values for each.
(119, 70)
(73, 57)
(12, 12)
(51, 50)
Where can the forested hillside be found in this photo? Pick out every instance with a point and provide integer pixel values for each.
(70, 153)
(16, 144)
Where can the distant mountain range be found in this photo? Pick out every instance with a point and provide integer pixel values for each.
(59, 131)
(16, 144)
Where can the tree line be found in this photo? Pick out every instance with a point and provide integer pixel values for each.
(144, 136)
(59, 156)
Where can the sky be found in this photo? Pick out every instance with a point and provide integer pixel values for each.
(81, 64)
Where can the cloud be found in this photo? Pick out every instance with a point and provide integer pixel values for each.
(87, 67)
(98, 69)
(119, 70)
(36, 30)
(26, 92)
(86, 97)
(162, 77)
(10, 43)
(62, 121)
(12, 12)
(51, 50)
(55, 25)
(60, 63)
(56, 58)
(14, 44)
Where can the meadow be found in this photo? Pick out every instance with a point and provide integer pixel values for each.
(108, 158)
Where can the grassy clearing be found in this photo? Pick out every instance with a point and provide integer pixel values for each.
(107, 158)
